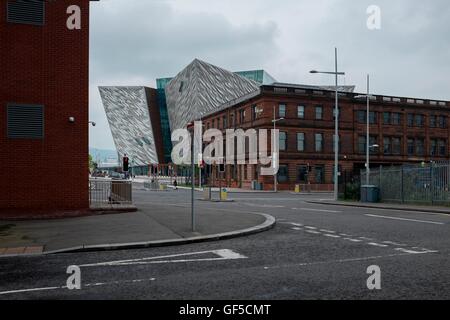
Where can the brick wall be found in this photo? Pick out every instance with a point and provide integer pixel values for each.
(46, 65)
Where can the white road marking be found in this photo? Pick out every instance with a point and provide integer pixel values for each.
(367, 239)
(311, 228)
(394, 243)
(345, 260)
(404, 219)
(415, 252)
(297, 229)
(297, 224)
(327, 231)
(224, 254)
(331, 235)
(377, 244)
(82, 286)
(353, 240)
(312, 231)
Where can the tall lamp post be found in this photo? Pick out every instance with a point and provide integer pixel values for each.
(275, 120)
(368, 146)
(336, 116)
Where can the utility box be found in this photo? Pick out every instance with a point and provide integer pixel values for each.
(370, 194)
(297, 188)
(207, 193)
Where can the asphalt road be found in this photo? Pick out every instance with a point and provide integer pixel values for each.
(314, 252)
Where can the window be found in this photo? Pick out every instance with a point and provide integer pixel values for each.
(396, 146)
(433, 121)
(420, 147)
(26, 12)
(225, 122)
(283, 174)
(433, 147)
(419, 120)
(301, 112)
(372, 117)
(232, 120)
(25, 121)
(213, 123)
(361, 116)
(300, 142)
(362, 144)
(282, 111)
(411, 148)
(396, 119)
(254, 114)
(387, 146)
(320, 174)
(302, 174)
(319, 112)
(241, 116)
(410, 120)
(442, 145)
(438, 147)
(283, 141)
(319, 142)
(386, 118)
(442, 121)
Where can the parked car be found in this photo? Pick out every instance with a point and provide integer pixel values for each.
(117, 176)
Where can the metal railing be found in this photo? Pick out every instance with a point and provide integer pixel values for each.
(110, 192)
(413, 185)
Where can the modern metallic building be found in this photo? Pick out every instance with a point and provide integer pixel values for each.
(141, 119)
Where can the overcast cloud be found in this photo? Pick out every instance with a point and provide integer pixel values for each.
(134, 42)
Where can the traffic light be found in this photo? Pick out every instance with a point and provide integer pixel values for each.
(125, 164)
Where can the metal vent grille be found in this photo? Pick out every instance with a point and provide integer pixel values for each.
(25, 121)
(26, 11)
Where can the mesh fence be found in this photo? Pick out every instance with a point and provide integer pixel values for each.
(414, 185)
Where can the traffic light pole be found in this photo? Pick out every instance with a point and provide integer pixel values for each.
(192, 183)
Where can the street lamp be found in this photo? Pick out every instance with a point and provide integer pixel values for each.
(274, 121)
(191, 129)
(368, 97)
(336, 134)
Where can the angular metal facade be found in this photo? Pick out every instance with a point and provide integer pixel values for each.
(201, 89)
(127, 110)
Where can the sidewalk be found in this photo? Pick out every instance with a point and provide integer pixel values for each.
(151, 225)
(387, 206)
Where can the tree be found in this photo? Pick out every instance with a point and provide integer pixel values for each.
(92, 164)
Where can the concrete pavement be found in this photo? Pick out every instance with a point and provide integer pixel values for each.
(154, 224)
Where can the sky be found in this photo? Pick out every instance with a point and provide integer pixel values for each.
(133, 42)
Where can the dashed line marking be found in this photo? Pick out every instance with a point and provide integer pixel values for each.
(377, 244)
(353, 240)
(331, 235)
(313, 232)
(310, 228)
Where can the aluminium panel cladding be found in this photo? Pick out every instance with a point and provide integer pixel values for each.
(127, 110)
(201, 89)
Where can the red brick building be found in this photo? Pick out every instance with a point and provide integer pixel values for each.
(406, 130)
(43, 105)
